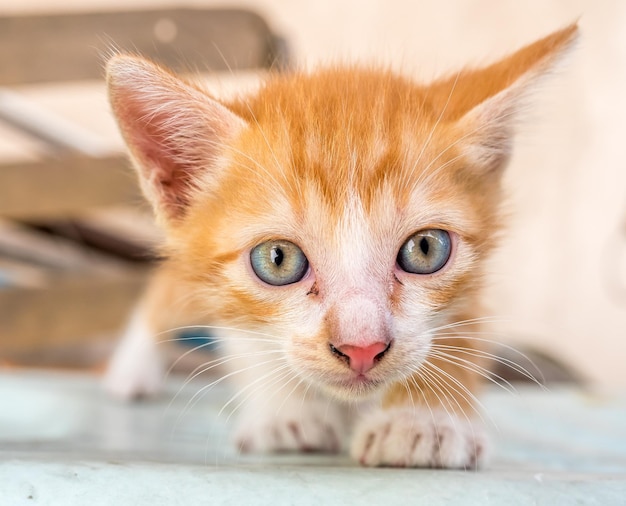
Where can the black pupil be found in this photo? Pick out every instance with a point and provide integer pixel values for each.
(424, 246)
(277, 256)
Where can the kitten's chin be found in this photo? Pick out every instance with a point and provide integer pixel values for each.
(354, 389)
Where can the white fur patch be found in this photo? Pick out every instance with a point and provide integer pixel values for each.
(136, 368)
(296, 425)
(406, 437)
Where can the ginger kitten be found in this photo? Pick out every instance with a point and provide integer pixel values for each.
(333, 228)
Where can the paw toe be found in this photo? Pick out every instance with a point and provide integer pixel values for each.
(275, 433)
(406, 438)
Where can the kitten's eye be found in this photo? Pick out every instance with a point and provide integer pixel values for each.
(279, 262)
(425, 252)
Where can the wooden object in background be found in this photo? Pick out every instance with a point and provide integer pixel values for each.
(73, 173)
(70, 47)
(65, 186)
(72, 309)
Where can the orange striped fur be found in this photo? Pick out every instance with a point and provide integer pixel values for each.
(346, 163)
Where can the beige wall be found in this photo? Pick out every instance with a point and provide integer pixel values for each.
(557, 277)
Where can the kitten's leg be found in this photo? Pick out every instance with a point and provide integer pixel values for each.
(313, 425)
(137, 366)
(280, 413)
(428, 421)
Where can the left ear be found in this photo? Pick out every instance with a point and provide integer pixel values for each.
(485, 103)
(174, 131)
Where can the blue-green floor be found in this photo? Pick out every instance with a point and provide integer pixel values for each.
(64, 442)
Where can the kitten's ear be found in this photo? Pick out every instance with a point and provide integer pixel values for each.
(175, 132)
(485, 103)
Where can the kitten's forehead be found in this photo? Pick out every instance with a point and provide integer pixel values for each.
(346, 159)
(344, 131)
(339, 124)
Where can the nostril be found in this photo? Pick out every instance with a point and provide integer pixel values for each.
(339, 354)
(382, 353)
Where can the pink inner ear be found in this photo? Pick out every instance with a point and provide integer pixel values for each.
(168, 162)
(163, 167)
(174, 130)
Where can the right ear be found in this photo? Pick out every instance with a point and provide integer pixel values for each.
(175, 132)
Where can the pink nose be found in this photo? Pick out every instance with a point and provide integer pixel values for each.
(361, 359)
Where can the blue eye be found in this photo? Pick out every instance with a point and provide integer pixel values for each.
(278, 262)
(425, 252)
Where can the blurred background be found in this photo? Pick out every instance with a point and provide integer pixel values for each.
(76, 239)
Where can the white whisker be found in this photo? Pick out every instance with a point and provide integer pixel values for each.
(254, 386)
(494, 358)
(207, 366)
(475, 368)
(202, 391)
(464, 392)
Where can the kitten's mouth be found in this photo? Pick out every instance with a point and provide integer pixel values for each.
(359, 384)
(361, 379)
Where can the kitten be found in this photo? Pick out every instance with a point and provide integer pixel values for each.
(334, 228)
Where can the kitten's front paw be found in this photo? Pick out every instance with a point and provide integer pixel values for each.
(404, 437)
(136, 368)
(304, 427)
(128, 381)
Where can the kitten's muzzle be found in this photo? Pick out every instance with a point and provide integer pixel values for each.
(360, 358)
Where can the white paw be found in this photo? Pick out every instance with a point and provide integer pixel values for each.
(128, 381)
(136, 368)
(303, 427)
(404, 437)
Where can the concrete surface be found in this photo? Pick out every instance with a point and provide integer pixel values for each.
(62, 442)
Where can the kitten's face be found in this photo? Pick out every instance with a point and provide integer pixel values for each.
(347, 215)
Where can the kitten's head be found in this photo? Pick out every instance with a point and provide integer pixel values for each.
(346, 213)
